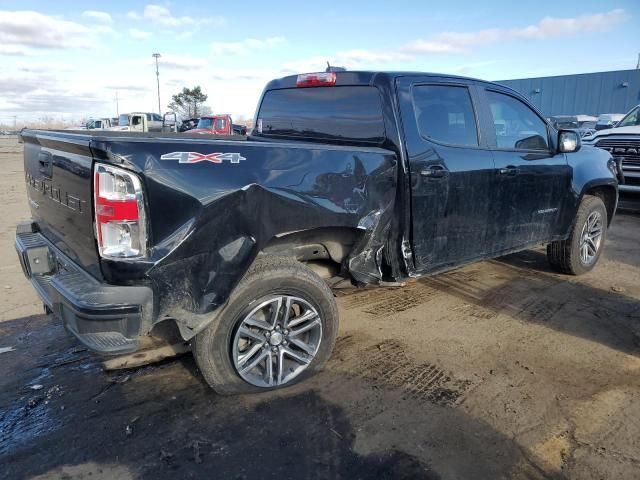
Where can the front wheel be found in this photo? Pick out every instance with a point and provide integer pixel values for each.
(580, 252)
(279, 327)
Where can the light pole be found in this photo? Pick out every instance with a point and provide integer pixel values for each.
(157, 56)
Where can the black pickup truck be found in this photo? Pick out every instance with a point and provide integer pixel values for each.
(375, 177)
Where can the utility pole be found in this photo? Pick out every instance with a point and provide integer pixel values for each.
(157, 56)
(117, 107)
(638, 64)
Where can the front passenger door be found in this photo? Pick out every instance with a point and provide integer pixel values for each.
(532, 177)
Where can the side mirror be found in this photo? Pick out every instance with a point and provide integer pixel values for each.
(568, 141)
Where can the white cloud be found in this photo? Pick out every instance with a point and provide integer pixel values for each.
(103, 17)
(128, 87)
(106, 29)
(182, 62)
(245, 46)
(138, 34)
(161, 15)
(33, 29)
(168, 61)
(451, 42)
(15, 51)
(423, 47)
(352, 59)
(45, 94)
(548, 27)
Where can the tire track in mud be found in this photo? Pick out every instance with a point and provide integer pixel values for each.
(382, 302)
(386, 365)
(539, 309)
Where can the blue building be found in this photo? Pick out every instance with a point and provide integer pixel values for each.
(586, 93)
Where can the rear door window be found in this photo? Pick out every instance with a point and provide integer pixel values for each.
(343, 113)
(445, 114)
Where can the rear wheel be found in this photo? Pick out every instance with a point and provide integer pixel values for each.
(278, 328)
(580, 252)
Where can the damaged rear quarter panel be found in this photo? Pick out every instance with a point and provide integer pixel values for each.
(208, 220)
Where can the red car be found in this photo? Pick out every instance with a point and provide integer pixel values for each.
(218, 125)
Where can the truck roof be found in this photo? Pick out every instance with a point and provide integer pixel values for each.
(365, 77)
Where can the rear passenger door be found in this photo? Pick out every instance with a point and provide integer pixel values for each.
(451, 171)
(532, 178)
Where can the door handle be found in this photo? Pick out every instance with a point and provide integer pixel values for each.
(510, 171)
(434, 171)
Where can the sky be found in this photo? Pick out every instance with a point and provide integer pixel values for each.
(69, 59)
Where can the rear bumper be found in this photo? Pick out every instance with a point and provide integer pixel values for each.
(106, 318)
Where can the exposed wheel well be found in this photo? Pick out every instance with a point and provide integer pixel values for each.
(608, 196)
(322, 249)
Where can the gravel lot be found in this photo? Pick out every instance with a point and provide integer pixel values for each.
(498, 370)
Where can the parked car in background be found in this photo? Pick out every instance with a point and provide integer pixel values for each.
(608, 120)
(188, 124)
(218, 125)
(623, 142)
(374, 177)
(139, 122)
(583, 124)
(239, 129)
(99, 124)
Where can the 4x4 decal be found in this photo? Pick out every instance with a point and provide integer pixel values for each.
(195, 157)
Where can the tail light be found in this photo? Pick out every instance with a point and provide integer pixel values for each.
(119, 213)
(322, 79)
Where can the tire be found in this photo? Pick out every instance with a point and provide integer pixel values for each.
(565, 255)
(216, 349)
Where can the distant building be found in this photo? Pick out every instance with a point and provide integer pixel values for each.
(586, 93)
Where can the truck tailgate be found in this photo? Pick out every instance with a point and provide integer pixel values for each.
(59, 186)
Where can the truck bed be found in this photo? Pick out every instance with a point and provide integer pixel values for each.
(212, 203)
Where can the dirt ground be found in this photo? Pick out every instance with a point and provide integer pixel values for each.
(498, 370)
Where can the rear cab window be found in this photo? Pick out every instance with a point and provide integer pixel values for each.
(341, 114)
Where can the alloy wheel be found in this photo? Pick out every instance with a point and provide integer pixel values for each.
(591, 238)
(276, 341)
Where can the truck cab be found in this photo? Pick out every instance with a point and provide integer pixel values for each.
(99, 124)
(214, 125)
(139, 122)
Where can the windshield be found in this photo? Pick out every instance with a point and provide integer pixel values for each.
(632, 119)
(123, 120)
(206, 123)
